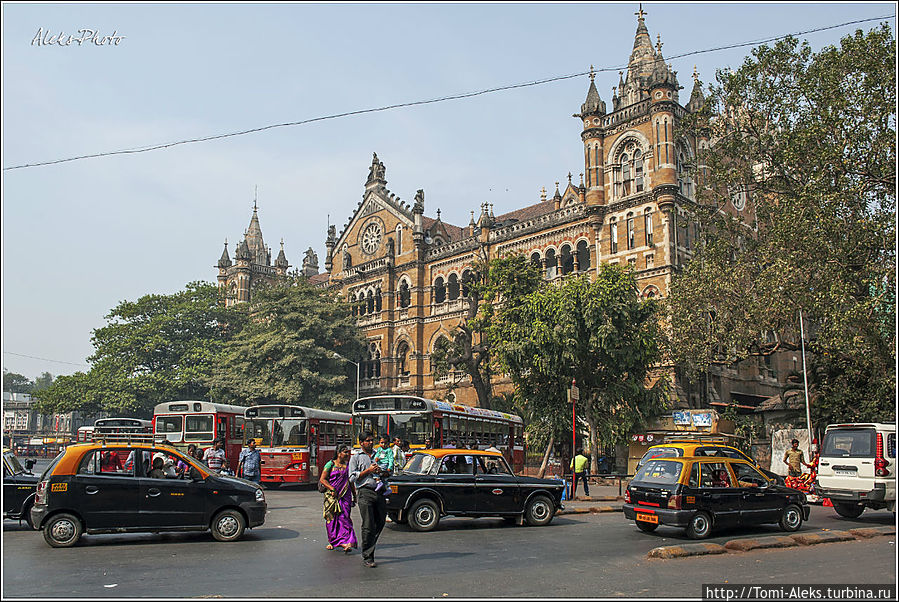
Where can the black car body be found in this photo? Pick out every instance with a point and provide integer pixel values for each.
(19, 486)
(695, 494)
(451, 482)
(98, 489)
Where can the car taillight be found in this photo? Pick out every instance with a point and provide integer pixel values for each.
(675, 501)
(627, 496)
(880, 463)
(41, 494)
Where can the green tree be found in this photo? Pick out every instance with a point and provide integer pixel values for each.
(43, 381)
(810, 139)
(285, 352)
(598, 333)
(496, 287)
(13, 382)
(155, 349)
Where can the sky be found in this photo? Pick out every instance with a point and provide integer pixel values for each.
(80, 237)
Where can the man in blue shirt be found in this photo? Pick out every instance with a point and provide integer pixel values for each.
(250, 463)
(372, 505)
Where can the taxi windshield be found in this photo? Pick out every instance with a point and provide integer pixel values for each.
(13, 463)
(662, 472)
(419, 464)
(661, 452)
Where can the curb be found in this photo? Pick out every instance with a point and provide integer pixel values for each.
(690, 549)
(758, 543)
(811, 539)
(591, 510)
(866, 532)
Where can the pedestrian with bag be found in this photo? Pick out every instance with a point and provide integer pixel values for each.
(372, 505)
(340, 497)
(249, 463)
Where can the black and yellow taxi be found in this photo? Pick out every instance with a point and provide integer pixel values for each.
(701, 494)
(473, 483)
(123, 488)
(680, 448)
(19, 486)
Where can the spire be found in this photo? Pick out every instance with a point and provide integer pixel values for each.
(281, 261)
(594, 104)
(225, 260)
(697, 99)
(640, 65)
(253, 237)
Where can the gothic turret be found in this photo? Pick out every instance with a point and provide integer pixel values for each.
(281, 262)
(697, 100)
(225, 260)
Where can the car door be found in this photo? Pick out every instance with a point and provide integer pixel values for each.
(496, 489)
(717, 494)
(455, 481)
(169, 502)
(758, 502)
(105, 499)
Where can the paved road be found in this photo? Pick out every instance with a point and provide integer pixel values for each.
(577, 555)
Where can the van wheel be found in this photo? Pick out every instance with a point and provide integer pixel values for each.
(228, 525)
(646, 527)
(848, 510)
(424, 515)
(700, 526)
(539, 511)
(791, 519)
(62, 530)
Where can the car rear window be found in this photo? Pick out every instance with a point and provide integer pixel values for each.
(849, 443)
(662, 472)
(661, 452)
(49, 470)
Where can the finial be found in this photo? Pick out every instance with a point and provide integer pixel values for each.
(569, 177)
(695, 74)
(226, 243)
(592, 73)
(582, 180)
(659, 42)
(255, 191)
(543, 193)
(438, 213)
(640, 13)
(557, 187)
(282, 244)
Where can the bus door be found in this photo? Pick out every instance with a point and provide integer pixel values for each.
(314, 447)
(438, 434)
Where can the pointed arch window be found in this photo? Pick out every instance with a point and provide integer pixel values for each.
(638, 171)
(402, 356)
(466, 283)
(370, 303)
(631, 237)
(583, 256)
(647, 226)
(535, 259)
(405, 295)
(567, 260)
(452, 287)
(378, 299)
(551, 264)
(371, 368)
(613, 236)
(399, 239)
(439, 290)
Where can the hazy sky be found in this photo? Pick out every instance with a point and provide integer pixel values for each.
(80, 237)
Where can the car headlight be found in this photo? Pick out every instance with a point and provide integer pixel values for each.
(260, 497)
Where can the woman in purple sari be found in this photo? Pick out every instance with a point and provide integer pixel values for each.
(340, 497)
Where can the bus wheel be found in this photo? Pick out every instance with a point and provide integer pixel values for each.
(62, 531)
(228, 525)
(424, 515)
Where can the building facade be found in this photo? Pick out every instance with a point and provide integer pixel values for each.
(406, 273)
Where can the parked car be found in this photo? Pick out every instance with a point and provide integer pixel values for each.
(857, 467)
(19, 486)
(686, 448)
(701, 494)
(95, 488)
(462, 482)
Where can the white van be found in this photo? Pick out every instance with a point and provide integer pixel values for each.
(857, 468)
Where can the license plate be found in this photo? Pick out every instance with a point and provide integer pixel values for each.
(648, 518)
(845, 473)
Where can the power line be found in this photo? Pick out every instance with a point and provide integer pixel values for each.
(425, 102)
(45, 359)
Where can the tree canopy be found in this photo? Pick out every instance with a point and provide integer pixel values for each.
(285, 351)
(809, 139)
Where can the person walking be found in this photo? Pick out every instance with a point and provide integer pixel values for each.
(399, 456)
(249, 463)
(794, 459)
(340, 497)
(214, 457)
(372, 505)
(579, 466)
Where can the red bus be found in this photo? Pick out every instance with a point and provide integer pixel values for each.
(295, 442)
(200, 422)
(414, 419)
(85, 434)
(121, 430)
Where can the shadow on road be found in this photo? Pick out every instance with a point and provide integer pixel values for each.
(11, 525)
(425, 557)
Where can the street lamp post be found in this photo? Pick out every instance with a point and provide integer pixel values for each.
(340, 357)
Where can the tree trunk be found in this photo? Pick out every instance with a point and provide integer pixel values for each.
(594, 444)
(552, 440)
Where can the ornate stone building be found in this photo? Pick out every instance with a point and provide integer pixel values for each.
(406, 273)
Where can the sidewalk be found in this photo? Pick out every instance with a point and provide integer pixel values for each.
(603, 498)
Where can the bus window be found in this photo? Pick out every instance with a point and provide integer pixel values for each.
(237, 426)
(170, 426)
(259, 430)
(293, 431)
(222, 431)
(198, 428)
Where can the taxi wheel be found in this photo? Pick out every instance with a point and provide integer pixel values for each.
(62, 530)
(700, 526)
(228, 525)
(646, 527)
(539, 511)
(848, 510)
(791, 519)
(424, 515)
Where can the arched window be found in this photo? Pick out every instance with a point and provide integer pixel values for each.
(453, 287)
(402, 355)
(583, 256)
(439, 290)
(567, 260)
(647, 226)
(399, 239)
(535, 259)
(613, 236)
(378, 299)
(466, 283)
(405, 295)
(354, 305)
(551, 264)
(625, 174)
(371, 368)
(638, 171)
(370, 303)
(631, 237)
